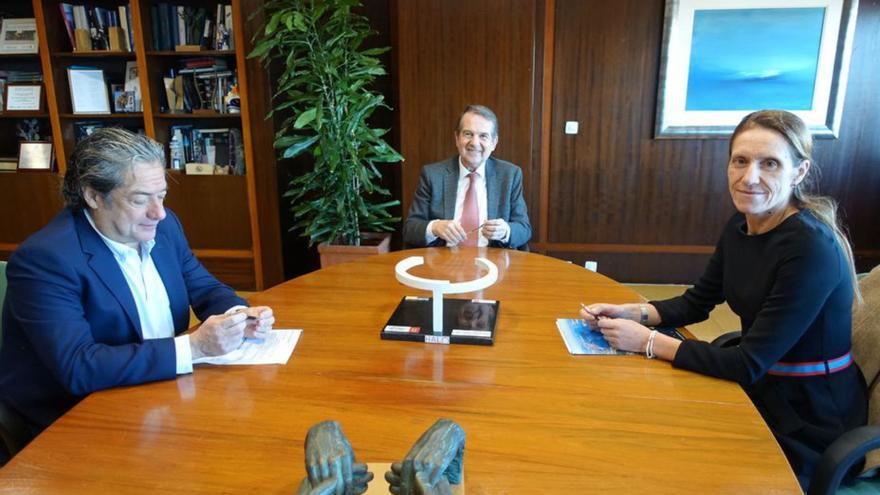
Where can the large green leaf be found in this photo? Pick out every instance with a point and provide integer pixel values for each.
(299, 22)
(299, 146)
(305, 118)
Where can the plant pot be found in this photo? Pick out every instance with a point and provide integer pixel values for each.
(371, 243)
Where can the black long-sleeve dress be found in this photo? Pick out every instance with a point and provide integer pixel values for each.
(792, 290)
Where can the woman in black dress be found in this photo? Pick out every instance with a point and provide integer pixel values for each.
(786, 269)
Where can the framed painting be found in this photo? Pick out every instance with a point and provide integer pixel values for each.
(723, 59)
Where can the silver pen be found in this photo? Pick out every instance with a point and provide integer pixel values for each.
(476, 229)
(589, 312)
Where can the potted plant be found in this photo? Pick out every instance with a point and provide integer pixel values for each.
(325, 90)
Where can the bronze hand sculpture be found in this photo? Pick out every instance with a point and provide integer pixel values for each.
(432, 464)
(330, 463)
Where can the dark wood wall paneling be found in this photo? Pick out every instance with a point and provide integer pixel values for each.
(612, 183)
(456, 52)
(25, 207)
(646, 209)
(851, 164)
(207, 205)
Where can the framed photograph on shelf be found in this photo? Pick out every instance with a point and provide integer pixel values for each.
(88, 91)
(18, 36)
(23, 97)
(133, 85)
(123, 101)
(722, 59)
(35, 155)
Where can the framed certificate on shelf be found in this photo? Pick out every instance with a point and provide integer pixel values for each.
(18, 36)
(35, 155)
(88, 91)
(23, 98)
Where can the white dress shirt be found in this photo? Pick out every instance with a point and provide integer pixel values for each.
(149, 294)
(460, 192)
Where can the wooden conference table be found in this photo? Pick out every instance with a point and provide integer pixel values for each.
(538, 420)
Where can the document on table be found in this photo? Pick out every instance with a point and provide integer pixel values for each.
(274, 349)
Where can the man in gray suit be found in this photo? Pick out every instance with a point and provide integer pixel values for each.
(470, 199)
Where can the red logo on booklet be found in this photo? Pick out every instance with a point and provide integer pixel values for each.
(415, 329)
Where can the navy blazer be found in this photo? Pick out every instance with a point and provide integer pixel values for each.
(436, 194)
(70, 323)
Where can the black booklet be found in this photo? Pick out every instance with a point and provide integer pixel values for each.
(465, 321)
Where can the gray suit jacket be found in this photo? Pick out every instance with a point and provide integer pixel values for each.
(435, 199)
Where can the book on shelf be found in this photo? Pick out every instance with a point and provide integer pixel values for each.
(8, 163)
(21, 76)
(230, 32)
(67, 16)
(94, 27)
(127, 25)
(97, 29)
(191, 28)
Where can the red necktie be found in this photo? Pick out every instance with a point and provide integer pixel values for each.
(470, 212)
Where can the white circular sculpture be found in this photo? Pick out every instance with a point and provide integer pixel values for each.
(440, 287)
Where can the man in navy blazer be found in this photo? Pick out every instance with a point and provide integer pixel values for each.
(435, 216)
(100, 296)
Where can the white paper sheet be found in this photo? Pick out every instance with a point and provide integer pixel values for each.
(275, 349)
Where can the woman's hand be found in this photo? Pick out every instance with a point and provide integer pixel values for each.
(597, 311)
(624, 334)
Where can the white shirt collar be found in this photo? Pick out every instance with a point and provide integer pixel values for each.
(463, 171)
(120, 250)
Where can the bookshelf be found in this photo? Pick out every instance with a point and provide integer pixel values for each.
(231, 221)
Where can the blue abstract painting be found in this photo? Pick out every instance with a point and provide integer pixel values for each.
(744, 59)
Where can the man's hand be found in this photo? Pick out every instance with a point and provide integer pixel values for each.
(259, 321)
(450, 231)
(495, 230)
(218, 335)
